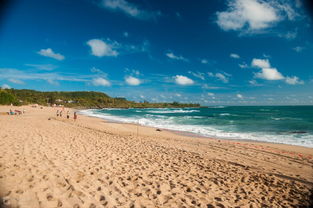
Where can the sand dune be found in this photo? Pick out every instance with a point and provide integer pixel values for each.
(91, 163)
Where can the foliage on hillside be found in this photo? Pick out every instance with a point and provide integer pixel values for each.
(78, 99)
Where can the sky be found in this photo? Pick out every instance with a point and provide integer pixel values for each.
(217, 52)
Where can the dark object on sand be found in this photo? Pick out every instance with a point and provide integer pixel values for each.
(158, 130)
(49, 119)
(298, 132)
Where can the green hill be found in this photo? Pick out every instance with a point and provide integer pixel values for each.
(77, 99)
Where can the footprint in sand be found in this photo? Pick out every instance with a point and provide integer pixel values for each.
(49, 197)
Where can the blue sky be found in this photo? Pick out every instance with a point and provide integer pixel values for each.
(236, 52)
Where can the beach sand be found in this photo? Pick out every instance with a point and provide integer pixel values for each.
(92, 163)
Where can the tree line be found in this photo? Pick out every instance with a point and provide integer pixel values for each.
(78, 99)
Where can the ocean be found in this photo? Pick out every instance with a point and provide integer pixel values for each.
(276, 124)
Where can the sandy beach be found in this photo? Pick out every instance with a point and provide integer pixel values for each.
(47, 161)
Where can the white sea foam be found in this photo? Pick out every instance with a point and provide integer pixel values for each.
(208, 131)
(224, 114)
(173, 111)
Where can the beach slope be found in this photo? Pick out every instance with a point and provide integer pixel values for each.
(47, 161)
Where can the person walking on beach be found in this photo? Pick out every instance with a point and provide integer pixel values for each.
(75, 116)
(68, 114)
(60, 113)
(57, 113)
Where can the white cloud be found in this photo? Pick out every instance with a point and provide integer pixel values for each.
(289, 35)
(197, 74)
(5, 86)
(243, 65)
(254, 83)
(204, 61)
(183, 80)
(175, 57)
(7, 73)
(207, 87)
(53, 82)
(222, 77)
(261, 63)
(100, 48)
(298, 49)
(269, 74)
(132, 80)
(240, 96)
(50, 53)
(293, 80)
(16, 81)
(129, 9)
(101, 82)
(46, 67)
(235, 56)
(254, 15)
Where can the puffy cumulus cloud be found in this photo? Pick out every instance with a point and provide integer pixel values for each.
(130, 80)
(183, 80)
(5, 86)
(50, 53)
(100, 48)
(175, 57)
(235, 56)
(254, 15)
(101, 82)
(261, 63)
(129, 9)
(16, 81)
(293, 80)
(240, 96)
(269, 74)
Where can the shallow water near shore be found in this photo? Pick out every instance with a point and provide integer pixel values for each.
(277, 124)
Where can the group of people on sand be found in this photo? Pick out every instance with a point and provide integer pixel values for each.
(60, 114)
(16, 112)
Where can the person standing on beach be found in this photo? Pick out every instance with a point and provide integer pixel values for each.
(60, 113)
(75, 116)
(68, 114)
(57, 113)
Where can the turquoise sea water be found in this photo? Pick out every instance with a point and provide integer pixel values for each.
(277, 124)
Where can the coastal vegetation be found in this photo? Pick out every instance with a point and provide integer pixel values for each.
(78, 99)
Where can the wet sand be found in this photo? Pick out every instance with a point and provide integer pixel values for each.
(57, 162)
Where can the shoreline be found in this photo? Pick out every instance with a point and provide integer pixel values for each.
(48, 161)
(192, 134)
